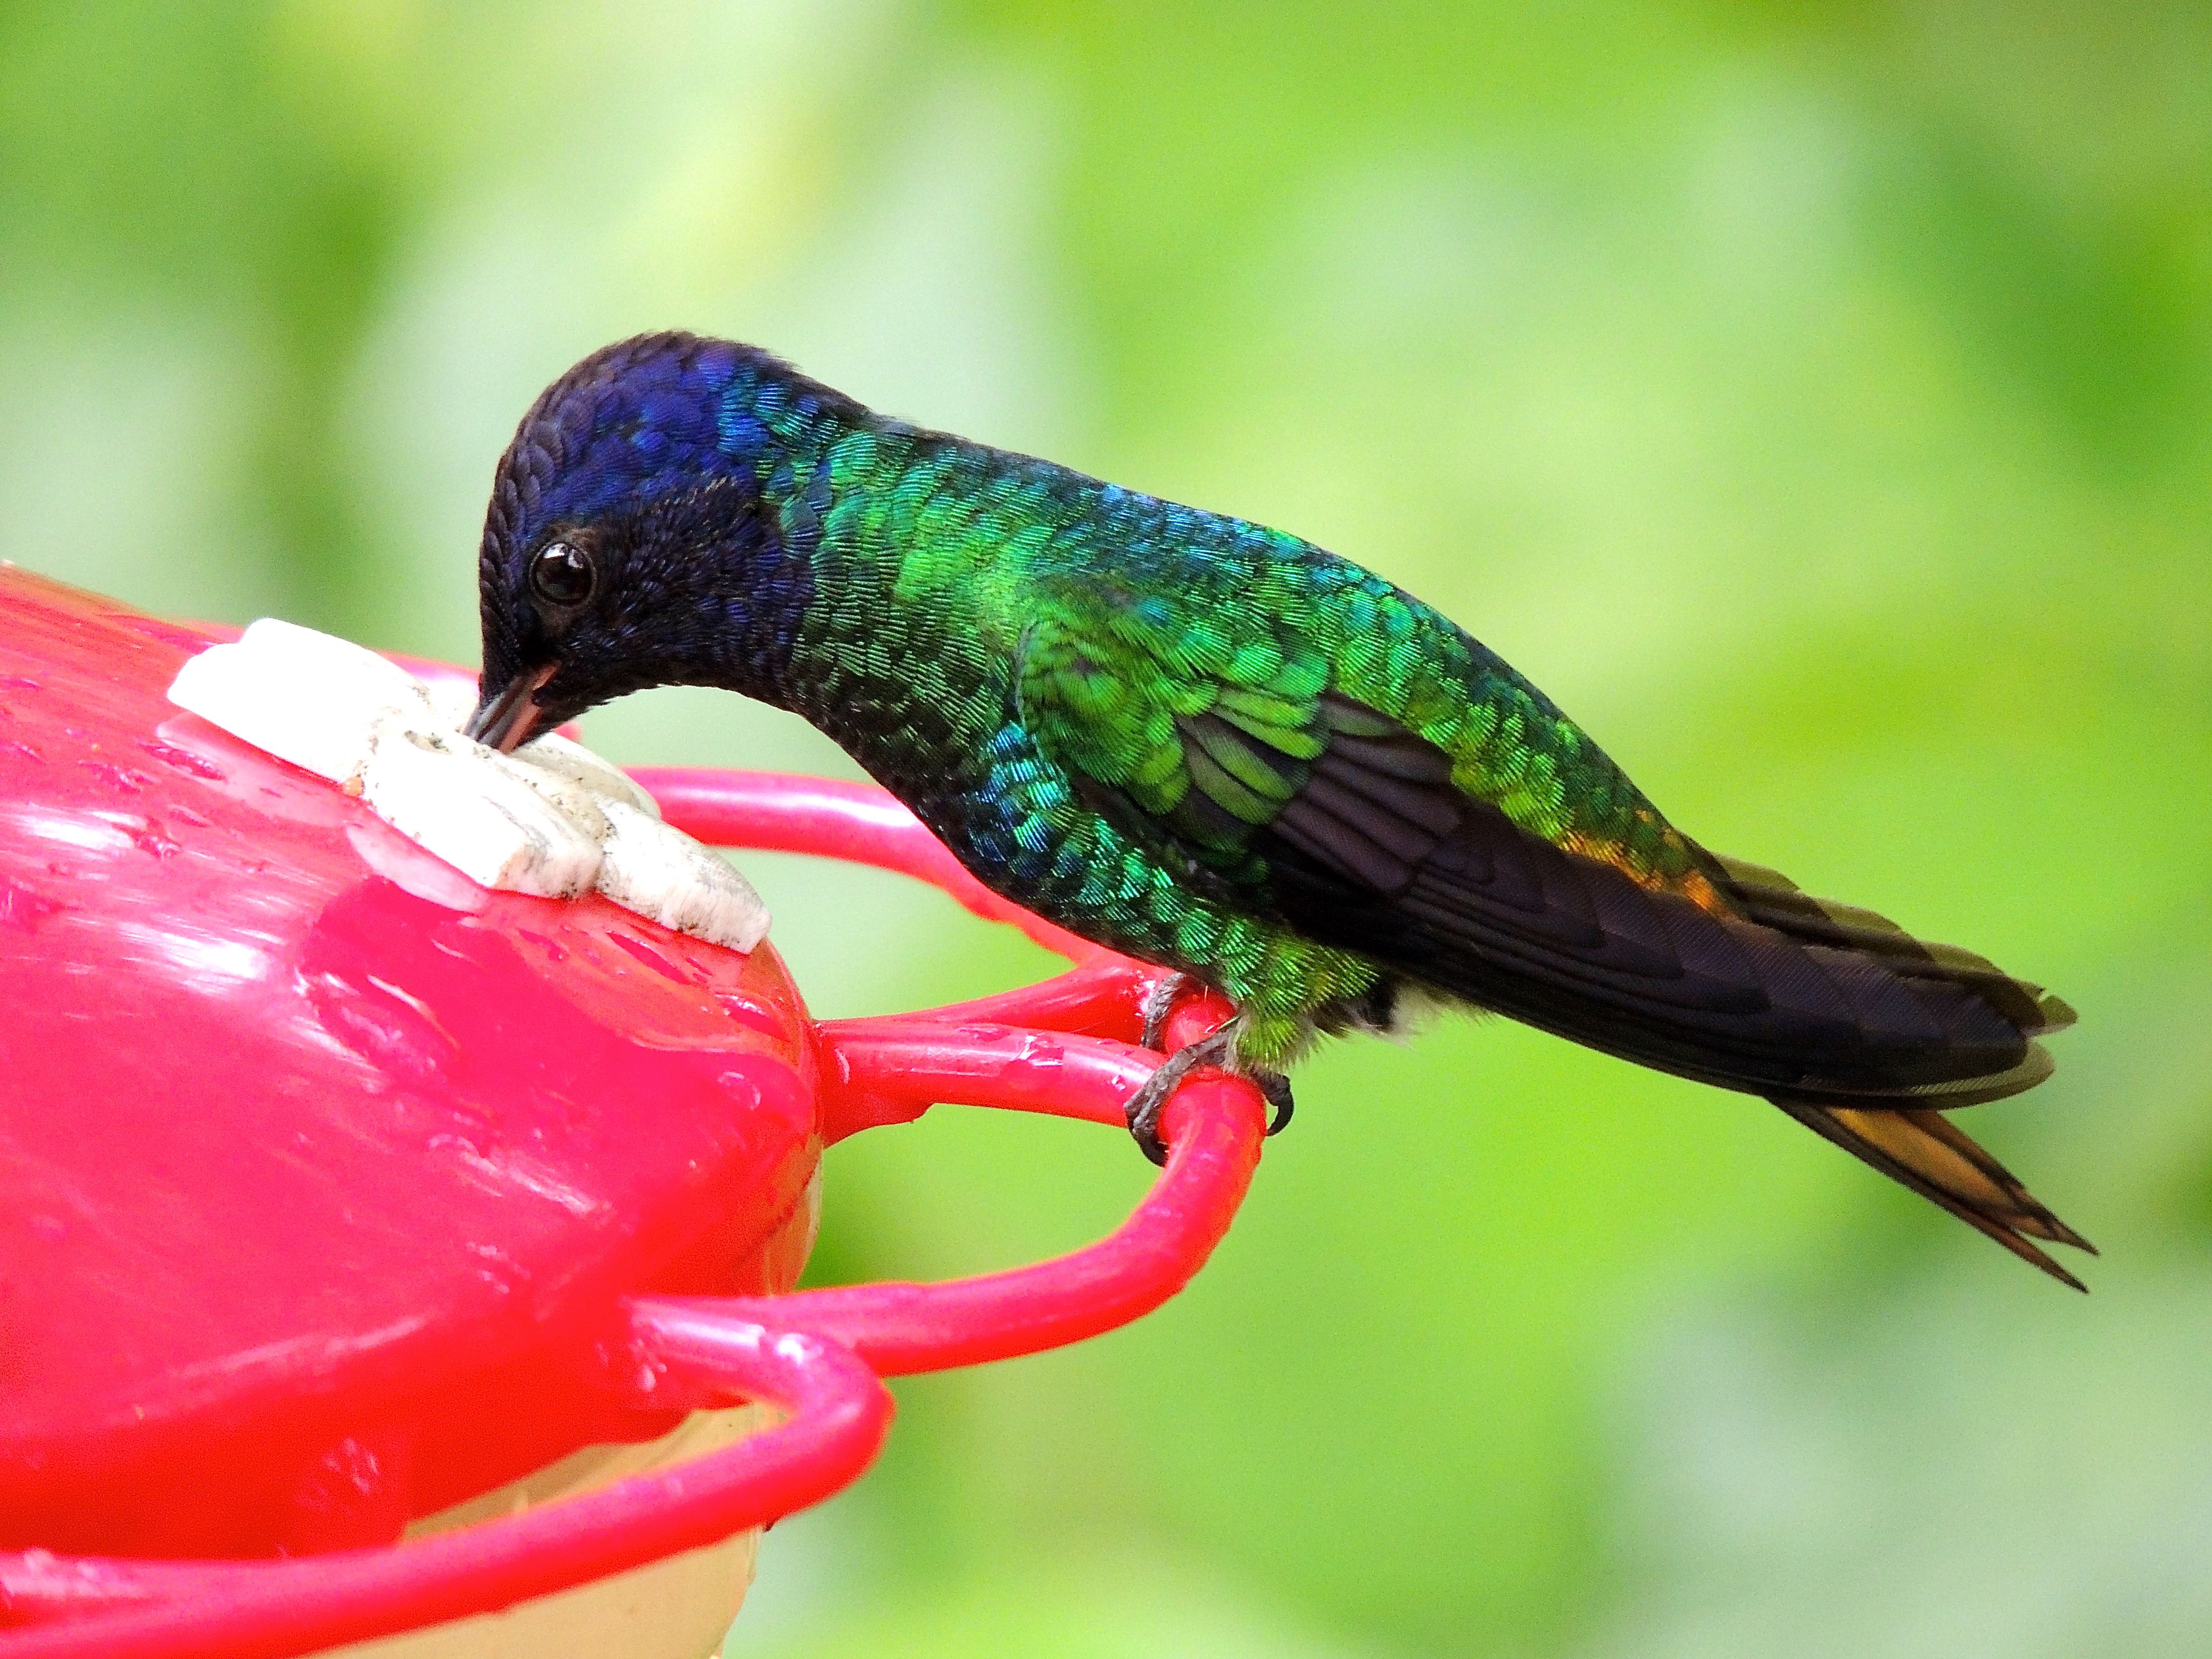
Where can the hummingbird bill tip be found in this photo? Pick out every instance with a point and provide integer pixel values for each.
(508, 718)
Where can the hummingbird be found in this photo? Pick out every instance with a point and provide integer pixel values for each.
(1213, 747)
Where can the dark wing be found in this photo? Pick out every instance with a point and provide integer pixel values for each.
(1350, 827)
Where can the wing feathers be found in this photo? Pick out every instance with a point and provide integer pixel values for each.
(1414, 801)
(1351, 828)
(1222, 746)
(1341, 848)
(1378, 852)
(1765, 896)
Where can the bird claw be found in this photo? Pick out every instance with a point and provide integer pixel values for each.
(1144, 1131)
(1149, 1101)
(1275, 1089)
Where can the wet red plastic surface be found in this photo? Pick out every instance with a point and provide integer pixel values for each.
(269, 1072)
(334, 1189)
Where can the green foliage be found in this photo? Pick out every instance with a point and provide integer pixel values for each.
(1816, 401)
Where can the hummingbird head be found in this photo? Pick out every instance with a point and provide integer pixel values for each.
(631, 541)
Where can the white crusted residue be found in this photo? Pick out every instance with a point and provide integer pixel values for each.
(663, 873)
(305, 697)
(551, 819)
(476, 814)
(555, 754)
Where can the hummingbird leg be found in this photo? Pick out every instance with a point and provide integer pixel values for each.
(1159, 1003)
(1145, 1106)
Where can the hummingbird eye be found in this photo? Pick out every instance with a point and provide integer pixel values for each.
(562, 574)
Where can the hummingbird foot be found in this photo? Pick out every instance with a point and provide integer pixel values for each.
(1147, 1103)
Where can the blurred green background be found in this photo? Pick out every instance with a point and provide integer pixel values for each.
(1815, 398)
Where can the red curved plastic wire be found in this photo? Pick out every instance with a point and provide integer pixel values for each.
(839, 1414)
(1049, 1048)
(1214, 1132)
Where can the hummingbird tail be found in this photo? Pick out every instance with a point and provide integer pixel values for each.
(1907, 1138)
(1921, 1150)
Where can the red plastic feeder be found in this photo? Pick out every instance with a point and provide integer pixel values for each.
(377, 1252)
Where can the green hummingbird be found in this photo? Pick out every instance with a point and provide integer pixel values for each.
(1214, 747)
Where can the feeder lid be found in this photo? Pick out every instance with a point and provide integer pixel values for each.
(322, 1168)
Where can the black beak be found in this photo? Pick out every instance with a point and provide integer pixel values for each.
(508, 718)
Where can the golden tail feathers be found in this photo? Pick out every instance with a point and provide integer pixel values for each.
(1921, 1149)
